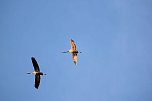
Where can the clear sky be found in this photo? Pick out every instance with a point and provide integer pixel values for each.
(115, 37)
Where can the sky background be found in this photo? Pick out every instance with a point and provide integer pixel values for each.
(115, 37)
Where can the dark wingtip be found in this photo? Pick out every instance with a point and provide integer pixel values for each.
(75, 63)
(72, 40)
(32, 58)
(36, 86)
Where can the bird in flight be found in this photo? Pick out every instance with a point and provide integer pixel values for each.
(74, 51)
(36, 72)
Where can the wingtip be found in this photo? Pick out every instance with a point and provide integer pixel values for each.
(32, 58)
(75, 63)
(72, 40)
(36, 87)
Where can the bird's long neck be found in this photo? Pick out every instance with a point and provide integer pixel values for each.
(65, 52)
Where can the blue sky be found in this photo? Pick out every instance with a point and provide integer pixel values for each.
(114, 36)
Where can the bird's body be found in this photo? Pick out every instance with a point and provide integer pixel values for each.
(36, 72)
(74, 51)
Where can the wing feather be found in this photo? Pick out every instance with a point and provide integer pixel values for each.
(74, 57)
(73, 46)
(37, 81)
(35, 64)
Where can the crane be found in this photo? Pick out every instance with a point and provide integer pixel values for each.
(36, 72)
(74, 51)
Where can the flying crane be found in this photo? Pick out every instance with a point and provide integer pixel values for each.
(74, 51)
(36, 72)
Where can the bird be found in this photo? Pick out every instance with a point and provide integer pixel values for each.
(36, 72)
(74, 51)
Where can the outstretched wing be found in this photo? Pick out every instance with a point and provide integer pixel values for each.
(74, 57)
(37, 81)
(35, 65)
(73, 46)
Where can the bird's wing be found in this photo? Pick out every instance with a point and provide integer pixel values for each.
(73, 46)
(35, 65)
(74, 57)
(37, 81)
